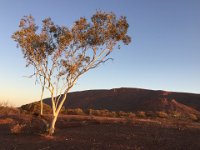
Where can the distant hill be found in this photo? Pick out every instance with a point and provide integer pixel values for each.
(132, 100)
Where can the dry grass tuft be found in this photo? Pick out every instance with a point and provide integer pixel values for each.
(7, 109)
(193, 117)
(17, 128)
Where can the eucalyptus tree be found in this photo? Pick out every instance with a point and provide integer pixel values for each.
(60, 55)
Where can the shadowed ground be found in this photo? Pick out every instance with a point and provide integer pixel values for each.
(84, 132)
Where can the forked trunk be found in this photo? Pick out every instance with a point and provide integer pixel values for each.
(52, 126)
(56, 112)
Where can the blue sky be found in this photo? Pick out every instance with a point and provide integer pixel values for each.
(164, 53)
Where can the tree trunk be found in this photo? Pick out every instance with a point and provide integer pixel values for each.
(41, 105)
(41, 101)
(56, 112)
(52, 126)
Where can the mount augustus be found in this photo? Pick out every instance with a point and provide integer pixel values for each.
(132, 100)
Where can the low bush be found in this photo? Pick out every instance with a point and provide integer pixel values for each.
(17, 128)
(34, 108)
(141, 114)
(122, 114)
(193, 117)
(131, 115)
(103, 113)
(113, 114)
(77, 111)
(151, 114)
(9, 110)
(176, 114)
(162, 114)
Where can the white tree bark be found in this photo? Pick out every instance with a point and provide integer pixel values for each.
(52, 125)
(56, 111)
(41, 102)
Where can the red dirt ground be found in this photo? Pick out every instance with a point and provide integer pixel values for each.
(97, 133)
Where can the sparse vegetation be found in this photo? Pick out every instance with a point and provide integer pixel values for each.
(34, 108)
(77, 111)
(4, 104)
(141, 114)
(128, 129)
(151, 114)
(193, 117)
(176, 114)
(162, 114)
(7, 109)
(17, 128)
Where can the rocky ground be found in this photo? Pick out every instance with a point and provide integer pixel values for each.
(98, 133)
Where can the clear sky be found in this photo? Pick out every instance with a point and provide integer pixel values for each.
(164, 53)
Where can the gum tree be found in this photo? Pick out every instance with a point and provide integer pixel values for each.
(60, 55)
